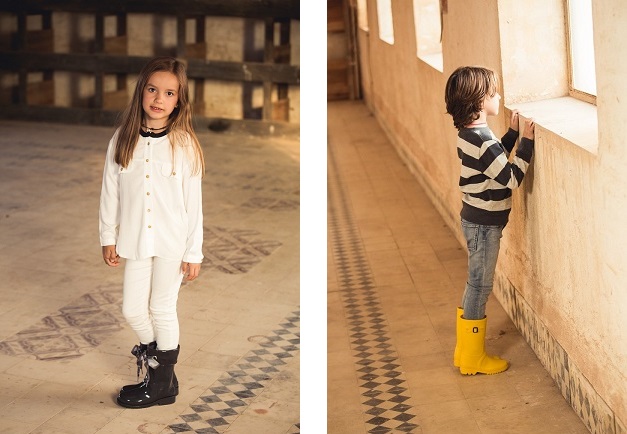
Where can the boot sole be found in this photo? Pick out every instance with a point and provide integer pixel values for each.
(163, 401)
(471, 372)
(128, 388)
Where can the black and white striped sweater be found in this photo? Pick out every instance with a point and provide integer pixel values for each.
(487, 177)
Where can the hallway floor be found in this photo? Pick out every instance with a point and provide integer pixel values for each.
(64, 345)
(395, 277)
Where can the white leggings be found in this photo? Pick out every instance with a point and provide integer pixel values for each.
(151, 289)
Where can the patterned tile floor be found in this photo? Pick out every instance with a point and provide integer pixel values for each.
(64, 344)
(235, 250)
(225, 400)
(382, 384)
(395, 276)
(72, 330)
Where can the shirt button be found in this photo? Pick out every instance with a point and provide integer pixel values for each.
(149, 226)
(147, 176)
(147, 160)
(148, 209)
(148, 194)
(173, 173)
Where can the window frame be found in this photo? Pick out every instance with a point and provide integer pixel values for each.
(431, 57)
(387, 38)
(572, 91)
(362, 15)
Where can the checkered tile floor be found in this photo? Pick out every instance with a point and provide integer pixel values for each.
(382, 383)
(226, 399)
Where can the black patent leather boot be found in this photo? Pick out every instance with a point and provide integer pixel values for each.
(158, 386)
(139, 351)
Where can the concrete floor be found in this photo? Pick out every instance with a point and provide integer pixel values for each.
(395, 277)
(64, 345)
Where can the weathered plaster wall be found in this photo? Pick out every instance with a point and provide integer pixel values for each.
(562, 272)
(609, 297)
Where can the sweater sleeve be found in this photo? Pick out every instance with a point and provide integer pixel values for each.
(110, 200)
(509, 140)
(498, 167)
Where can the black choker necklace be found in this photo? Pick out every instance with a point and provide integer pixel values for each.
(150, 130)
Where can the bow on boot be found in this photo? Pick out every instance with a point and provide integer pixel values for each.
(139, 351)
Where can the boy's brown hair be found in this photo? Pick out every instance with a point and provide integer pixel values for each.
(466, 90)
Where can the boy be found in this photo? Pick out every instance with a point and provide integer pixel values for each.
(486, 181)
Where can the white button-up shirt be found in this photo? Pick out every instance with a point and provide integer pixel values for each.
(154, 206)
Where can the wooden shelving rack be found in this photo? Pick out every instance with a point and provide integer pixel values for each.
(30, 56)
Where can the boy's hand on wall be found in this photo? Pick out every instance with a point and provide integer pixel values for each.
(513, 120)
(530, 127)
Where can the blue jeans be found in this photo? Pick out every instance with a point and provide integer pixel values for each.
(483, 244)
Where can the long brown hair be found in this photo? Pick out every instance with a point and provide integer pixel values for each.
(180, 128)
(466, 90)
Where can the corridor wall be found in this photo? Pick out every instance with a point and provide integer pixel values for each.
(562, 273)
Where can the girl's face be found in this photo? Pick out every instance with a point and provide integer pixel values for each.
(491, 104)
(159, 98)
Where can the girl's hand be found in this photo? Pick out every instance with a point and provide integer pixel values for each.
(530, 127)
(110, 256)
(513, 120)
(192, 270)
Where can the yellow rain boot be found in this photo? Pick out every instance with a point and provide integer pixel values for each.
(473, 358)
(460, 312)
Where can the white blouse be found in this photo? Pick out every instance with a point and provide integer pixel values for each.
(154, 206)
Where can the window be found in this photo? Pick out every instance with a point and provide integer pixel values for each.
(428, 24)
(362, 15)
(582, 81)
(384, 15)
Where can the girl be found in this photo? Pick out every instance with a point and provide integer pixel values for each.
(151, 214)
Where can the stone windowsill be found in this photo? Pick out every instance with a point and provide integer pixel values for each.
(566, 117)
